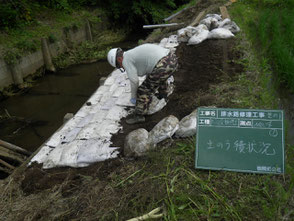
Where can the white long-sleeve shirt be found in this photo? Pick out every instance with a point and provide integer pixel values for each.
(140, 61)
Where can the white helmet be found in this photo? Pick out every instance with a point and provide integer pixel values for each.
(111, 57)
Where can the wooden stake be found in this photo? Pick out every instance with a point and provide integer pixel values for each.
(7, 164)
(11, 155)
(14, 148)
(198, 18)
(89, 31)
(47, 56)
(224, 12)
(5, 170)
(16, 74)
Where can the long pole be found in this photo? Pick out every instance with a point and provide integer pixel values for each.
(161, 25)
(14, 148)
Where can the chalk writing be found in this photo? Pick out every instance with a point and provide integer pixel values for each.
(273, 133)
(262, 124)
(246, 140)
(243, 147)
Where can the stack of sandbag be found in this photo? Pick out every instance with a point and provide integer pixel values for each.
(211, 27)
(139, 142)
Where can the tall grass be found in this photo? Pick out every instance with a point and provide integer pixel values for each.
(273, 31)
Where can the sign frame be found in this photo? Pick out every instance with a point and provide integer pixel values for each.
(235, 121)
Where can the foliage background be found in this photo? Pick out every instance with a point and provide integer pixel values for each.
(15, 14)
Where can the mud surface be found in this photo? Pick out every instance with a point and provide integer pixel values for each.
(200, 66)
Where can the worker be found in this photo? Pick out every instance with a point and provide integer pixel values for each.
(154, 61)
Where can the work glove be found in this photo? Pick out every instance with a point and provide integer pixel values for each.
(133, 100)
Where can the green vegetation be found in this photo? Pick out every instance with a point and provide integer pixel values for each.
(25, 39)
(90, 51)
(23, 23)
(269, 24)
(126, 12)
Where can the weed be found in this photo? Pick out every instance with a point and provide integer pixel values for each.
(27, 45)
(271, 30)
(52, 38)
(12, 56)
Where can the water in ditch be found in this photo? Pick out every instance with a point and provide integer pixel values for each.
(37, 114)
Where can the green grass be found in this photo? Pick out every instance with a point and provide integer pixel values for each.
(26, 38)
(271, 27)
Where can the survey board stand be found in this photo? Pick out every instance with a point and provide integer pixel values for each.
(240, 140)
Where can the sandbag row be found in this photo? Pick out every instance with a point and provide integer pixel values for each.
(211, 27)
(140, 141)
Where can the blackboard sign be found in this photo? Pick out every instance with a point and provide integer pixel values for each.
(242, 140)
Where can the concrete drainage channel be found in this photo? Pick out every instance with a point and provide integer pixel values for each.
(14, 73)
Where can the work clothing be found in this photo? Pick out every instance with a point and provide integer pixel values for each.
(156, 80)
(141, 61)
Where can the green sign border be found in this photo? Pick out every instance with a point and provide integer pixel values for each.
(240, 170)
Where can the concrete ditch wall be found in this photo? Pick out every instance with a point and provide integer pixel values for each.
(31, 63)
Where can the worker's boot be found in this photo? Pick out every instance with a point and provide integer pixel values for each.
(160, 96)
(135, 119)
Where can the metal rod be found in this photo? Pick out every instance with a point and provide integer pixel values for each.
(174, 15)
(161, 25)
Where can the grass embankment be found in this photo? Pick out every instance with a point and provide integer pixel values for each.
(22, 40)
(270, 27)
(210, 195)
(18, 41)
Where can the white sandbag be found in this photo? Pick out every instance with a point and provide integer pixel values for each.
(163, 42)
(200, 35)
(156, 105)
(182, 37)
(163, 130)
(216, 16)
(170, 42)
(187, 126)
(171, 86)
(95, 150)
(230, 25)
(210, 23)
(220, 33)
(185, 33)
(136, 143)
